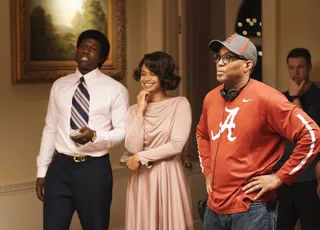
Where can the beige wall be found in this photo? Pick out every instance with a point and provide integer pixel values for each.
(298, 27)
(232, 8)
(24, 105)
(288, 24)
(22, 119)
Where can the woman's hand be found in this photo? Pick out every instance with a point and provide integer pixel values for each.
(142, 99)
(133, 163)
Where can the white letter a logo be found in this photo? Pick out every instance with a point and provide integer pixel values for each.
(228, 124)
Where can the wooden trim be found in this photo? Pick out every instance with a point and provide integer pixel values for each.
(15, 188)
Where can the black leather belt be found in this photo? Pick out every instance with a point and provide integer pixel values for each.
(78, 158)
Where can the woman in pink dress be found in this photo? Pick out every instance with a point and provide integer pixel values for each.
(158, 127)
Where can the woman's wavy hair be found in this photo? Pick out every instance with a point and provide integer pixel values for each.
(163, 66)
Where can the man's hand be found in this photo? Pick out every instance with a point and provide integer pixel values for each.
(208, 185)
(40, 188)
(295, 88)
(85, 136)
(133, 163)
(263, 183)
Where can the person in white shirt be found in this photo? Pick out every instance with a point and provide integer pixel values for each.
(85, 119)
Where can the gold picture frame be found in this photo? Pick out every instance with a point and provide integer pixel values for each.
(32, 64)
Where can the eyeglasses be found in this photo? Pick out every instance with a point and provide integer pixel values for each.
(226, 58)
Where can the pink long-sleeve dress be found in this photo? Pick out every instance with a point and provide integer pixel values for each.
(158, 198)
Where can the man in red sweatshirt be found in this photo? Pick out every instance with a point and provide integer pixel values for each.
(241, 136)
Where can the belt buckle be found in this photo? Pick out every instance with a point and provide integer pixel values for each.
(78, 158)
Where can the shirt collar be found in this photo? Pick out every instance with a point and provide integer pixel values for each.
(89, 77)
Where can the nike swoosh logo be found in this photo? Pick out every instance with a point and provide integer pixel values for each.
(246, 100)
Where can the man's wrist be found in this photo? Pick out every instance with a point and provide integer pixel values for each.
(94, 136)
(42, 171)
(291, 98)
(279, 179)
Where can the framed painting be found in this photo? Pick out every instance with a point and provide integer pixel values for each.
(44, 35)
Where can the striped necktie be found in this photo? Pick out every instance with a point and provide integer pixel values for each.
(80, 106)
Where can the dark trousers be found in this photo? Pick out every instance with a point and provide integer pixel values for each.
(85, 187)
(299, 200)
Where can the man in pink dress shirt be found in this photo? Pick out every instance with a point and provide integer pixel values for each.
(74, 171)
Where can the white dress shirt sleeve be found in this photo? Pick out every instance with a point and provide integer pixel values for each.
(47, 145)
(113, 137)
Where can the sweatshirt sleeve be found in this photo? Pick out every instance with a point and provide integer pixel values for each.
(293, 124)
(178, 139)
(135, 131)
(203, 142)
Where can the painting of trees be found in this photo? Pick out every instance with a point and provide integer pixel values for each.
(51, 41)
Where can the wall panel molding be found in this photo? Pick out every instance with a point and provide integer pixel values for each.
(118, 173)
(29, 186)
(15, 188)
